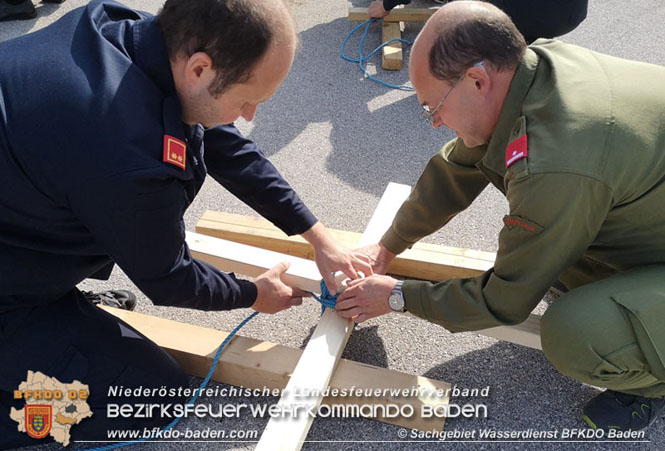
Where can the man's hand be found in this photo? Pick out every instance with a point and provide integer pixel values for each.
(366, 298)
(332, 257)
(273, 294)
(376, 10)
(379, 257)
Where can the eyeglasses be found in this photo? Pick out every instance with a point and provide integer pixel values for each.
(429, 114)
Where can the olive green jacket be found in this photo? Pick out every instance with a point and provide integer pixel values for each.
(588, 199)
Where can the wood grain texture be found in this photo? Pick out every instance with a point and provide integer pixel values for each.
(255, 364)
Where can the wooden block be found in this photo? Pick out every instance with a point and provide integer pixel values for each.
(391, 58)
(255, 364)
(396, 15)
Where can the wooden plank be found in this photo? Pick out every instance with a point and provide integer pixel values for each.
(396, 15)
(324, 349)
(391, 58)
(252, 261)
(311, 375)
(255, 364)
(424, 261)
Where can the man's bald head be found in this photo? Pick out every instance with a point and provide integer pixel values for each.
(463, 33)
(235, 34)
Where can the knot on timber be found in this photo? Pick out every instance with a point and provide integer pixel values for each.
(326, 299)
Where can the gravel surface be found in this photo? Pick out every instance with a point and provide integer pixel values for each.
(339, 140)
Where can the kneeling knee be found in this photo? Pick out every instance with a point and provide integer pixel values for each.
(560, 340)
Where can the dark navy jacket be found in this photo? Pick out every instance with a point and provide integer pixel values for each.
(84, 107)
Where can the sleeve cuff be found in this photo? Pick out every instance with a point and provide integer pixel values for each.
(412, 299)
(421, 305)
(394, 243)
(305, 222)
(248, 294)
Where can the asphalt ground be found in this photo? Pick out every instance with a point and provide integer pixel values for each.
(339, 139)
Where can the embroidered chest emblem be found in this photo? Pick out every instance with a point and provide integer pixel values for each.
(175, 152)
(516, 150)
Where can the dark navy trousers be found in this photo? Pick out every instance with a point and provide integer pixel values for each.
(71, 339)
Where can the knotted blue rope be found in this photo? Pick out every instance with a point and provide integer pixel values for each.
(193, 399)
(326, 299)
(362, 59)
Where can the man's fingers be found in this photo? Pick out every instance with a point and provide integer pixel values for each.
(331, 284)
(350, 272)
(288, 303)
(294, 301)
(345, 304)
(364, 266)
(350, 313)
(297, 292)
(344, 296)
(281, 267)
(353, 283)
(363, 257)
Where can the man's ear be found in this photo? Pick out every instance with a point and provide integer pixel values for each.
(480, 77)
(198, 70)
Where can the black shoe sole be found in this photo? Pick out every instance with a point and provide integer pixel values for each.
(21, 16)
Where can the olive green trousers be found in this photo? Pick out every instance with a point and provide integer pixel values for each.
(611, 333)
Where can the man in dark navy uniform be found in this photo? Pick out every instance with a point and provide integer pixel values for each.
(109, 121)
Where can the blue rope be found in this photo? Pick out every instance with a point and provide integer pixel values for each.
(196, 395)
(326, 299)
(362, 59)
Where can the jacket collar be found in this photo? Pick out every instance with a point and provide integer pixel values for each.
(495, 157)
(150, 54)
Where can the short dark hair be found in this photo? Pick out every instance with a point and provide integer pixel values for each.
(485, 35)
(234, 33)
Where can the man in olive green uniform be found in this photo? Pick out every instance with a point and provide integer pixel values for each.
(576, 142)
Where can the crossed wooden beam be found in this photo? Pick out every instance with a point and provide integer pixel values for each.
(255, 364)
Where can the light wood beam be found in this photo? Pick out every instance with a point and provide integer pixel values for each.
(396, 15)
(255, 364)
(423, 261)
(324, 349)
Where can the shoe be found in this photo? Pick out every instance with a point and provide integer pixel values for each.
(621, 411)
(22, 11)
(122, 299)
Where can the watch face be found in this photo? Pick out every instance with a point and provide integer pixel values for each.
(396, 302)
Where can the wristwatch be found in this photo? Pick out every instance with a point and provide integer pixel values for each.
(396, 299)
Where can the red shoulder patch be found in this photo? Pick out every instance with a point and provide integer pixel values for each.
(517, 150)
(175, 152)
